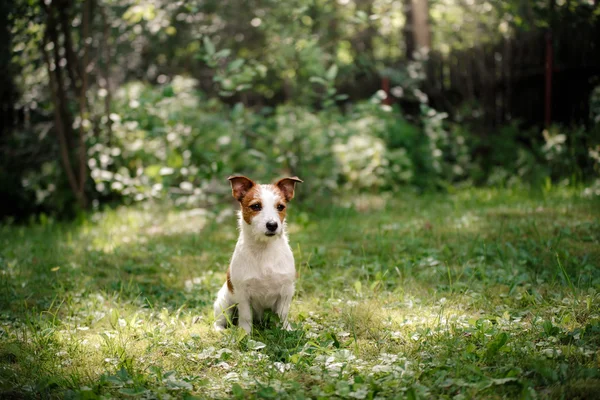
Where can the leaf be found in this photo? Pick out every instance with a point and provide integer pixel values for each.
(267, 393)
(208, 45)
(316, 79)
(331, 72)
(177, 384)
(502, 381)
(223, 53)
(336, 342)
(411, 394)
(236, 64)
(358, 287)
(550, 329)
(255, 345)
(243, 87)
(132, 392)
(362, 16)
(257, 154)
(114, 380)
(237, 391)
(494, 346)
(261, 69)
(114, 317)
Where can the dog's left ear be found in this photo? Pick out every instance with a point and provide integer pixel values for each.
(286, 185)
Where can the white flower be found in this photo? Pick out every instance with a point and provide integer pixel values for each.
(223, 365)
(187, 186)
(381, 368)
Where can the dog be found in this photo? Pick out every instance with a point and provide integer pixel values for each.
(261, 274)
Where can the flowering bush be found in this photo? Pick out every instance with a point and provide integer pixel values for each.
(168, 140)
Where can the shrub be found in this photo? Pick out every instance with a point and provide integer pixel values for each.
(165, 140)
(170, 141)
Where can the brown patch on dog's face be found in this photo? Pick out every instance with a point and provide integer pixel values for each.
(246, 192)
(281, 205)
(251, 204)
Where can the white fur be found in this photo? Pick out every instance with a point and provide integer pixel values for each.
(262, 270)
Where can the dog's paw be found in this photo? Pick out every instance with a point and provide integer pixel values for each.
(218, 327)
(246, 327)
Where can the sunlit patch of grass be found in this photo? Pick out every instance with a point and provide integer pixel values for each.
(482, 293)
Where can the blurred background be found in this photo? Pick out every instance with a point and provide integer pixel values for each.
(105, 102)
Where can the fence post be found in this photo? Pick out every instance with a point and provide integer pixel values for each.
(385, 86)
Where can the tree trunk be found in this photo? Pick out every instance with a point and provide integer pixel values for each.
(83, 110)
(59, 123)
(106, 71)
(75, 167)
(417, 34)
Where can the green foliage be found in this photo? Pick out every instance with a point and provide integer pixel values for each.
(201, 89)
(569, 152)
(164, 140)
(170, 141)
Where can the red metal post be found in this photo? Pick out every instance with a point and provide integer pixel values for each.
(385, 86)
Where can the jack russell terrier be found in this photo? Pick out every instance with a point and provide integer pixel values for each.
(261, 274)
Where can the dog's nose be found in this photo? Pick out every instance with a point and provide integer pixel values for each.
(272, 226)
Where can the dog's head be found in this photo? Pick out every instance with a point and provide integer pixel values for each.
(263, 206)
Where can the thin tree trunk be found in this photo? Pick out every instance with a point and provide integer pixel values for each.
(420, 12)
(417, 34)
(63, 126)
(83, 99)
(58, 120)
(61, 92)
(73, 66)
(106, 71)
(408, 32)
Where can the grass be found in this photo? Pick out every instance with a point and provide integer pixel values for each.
(481, 293)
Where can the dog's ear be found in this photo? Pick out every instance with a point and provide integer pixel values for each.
(286, 185)
(240, 185)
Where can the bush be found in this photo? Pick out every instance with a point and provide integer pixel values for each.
(165, 140)
(169, 141)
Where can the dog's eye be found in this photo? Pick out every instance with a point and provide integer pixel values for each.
(256, 207)
(280, 207)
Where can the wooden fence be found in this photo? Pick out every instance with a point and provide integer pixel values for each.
(536, 77)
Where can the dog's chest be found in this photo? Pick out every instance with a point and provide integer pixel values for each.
(263, 272)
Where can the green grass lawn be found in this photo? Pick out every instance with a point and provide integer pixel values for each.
(481, 293)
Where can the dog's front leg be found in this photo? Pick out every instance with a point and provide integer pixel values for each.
(245, 315)
(282, 309)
